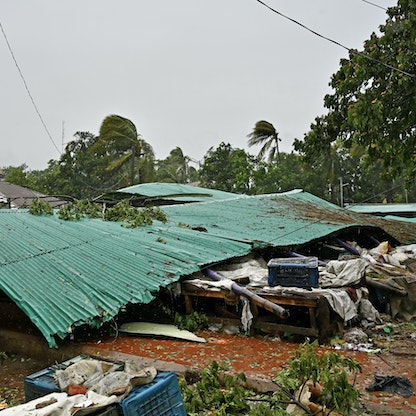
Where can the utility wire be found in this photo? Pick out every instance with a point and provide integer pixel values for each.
(27, 89)
(334, 41)
(374, 4)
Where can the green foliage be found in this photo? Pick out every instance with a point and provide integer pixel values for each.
(92, 165)
(265, 134)
(218, 393)
(227, 169)
(40, 207)
(192, 321)
(372, 106)
(330, 369)
(120, 148)
(17, 175)
(79, 209)
(175, 168)
(121, 212)
(210, 396)
(135, 217)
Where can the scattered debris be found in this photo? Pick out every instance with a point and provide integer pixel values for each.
(161, 330)
(392, 384)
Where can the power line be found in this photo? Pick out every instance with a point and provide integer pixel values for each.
(374, 4)
(27, 89)
(334, 41)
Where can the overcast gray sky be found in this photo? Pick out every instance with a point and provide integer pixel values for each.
(187, 73)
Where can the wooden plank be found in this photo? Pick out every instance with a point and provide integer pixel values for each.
(270, 327)
(310, 301)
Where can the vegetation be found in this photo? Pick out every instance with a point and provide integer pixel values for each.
(363, 148)
(265, 134)
(371, 112)
(119, 148)
(329, 371)
(132, 216)
(211, 396)
(121, 212)
(218, 393)
(176, 168)
(227, 169)
(191, 321)
(40, 207)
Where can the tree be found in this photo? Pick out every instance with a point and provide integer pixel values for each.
(17, 175)
(265, 134)
(289, 173)
(175, 168)
(373, 104)
(227, 169)
(119, 145)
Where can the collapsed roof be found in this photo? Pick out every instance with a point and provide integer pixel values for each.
(63, 274)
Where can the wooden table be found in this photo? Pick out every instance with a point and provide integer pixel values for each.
(320, 322)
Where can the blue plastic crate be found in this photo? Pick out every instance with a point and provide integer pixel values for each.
(296, 272)
(43, 382)
(161, 397)
(40, 384)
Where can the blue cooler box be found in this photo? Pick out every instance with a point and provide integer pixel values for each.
(161, 397)
(294, 271)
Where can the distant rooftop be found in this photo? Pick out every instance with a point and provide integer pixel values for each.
(401, 210)
(15, 196)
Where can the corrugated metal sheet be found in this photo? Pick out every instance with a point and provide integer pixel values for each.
(66, 273)
(404, 219)
(176, 190)
(383, 208)
(279, 219)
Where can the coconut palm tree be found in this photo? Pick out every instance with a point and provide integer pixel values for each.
(266, 135)
(120, 146)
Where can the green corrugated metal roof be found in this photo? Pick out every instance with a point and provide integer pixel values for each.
(382, 208)
(175, 192)
(278, 219)
(66, 273)
(397, 218)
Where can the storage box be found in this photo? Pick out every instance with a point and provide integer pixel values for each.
(43, 382)
(296, 271)
(39, 384)
(108, 411)
(161, 397)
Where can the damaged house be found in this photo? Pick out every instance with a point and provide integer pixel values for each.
(214, 254)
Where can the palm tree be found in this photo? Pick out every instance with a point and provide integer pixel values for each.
(120, 144)
(266, 135)
(175, 168)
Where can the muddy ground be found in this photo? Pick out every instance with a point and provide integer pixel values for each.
(260, 355)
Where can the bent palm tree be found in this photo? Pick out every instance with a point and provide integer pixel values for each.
(120, 144)
(266, 135)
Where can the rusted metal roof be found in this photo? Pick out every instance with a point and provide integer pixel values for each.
(285, 219)
(68, 273)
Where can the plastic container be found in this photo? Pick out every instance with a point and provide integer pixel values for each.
(294, 271)
(39, 384)
(109, 411)
(161, 397)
